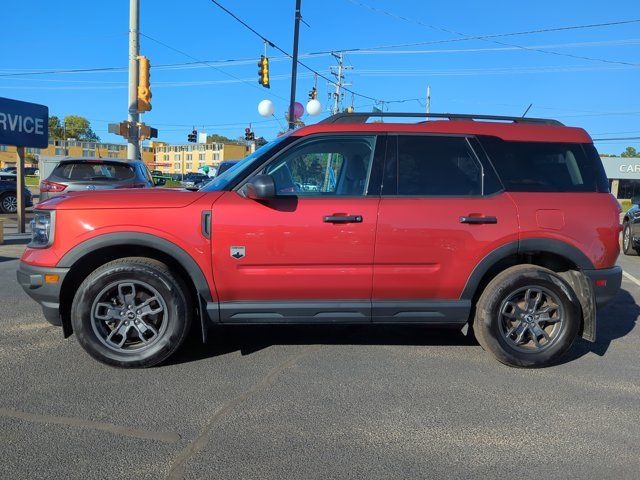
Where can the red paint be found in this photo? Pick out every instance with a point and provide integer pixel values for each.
(506, 131)
(290, 251)
(423, 251)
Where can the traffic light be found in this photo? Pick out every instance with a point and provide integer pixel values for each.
(193, 136)
(249, 136)
(144, 85)
(313, 94)
(263, 72)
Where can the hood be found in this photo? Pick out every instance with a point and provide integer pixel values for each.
(124, 199)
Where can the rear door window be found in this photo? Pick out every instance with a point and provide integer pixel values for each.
(546, 167)
(428, 165)
(94, 171)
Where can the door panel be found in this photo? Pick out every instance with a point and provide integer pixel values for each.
(441, 212)
(290, 252)
(423, 251)
(313, 242)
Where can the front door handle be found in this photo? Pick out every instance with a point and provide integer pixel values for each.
(343, 219)
(478, 220)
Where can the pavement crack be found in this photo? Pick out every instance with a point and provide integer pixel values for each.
(177, 470)
(170, 437)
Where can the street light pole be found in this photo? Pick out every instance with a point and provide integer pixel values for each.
(294, 67)
(133, 146)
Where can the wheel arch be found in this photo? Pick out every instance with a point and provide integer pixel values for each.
(556, 255)
(90, 254)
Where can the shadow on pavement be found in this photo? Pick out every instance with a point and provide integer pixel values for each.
(615, 321)
(249, 339)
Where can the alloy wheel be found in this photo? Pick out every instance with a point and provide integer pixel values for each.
(531, 319)
(10, 204)
(129, 316)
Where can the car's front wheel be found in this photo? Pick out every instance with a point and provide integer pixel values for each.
(527, 316)
(627, 241)
(131, 312)
(9, 203)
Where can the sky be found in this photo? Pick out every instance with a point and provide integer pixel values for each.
(587, 77)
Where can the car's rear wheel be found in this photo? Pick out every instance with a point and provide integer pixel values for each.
(9, 203)
(627, 241)
(527, 316)
(131, 312)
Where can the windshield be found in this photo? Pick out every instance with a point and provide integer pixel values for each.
(223, 180)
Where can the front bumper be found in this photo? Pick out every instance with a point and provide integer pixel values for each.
(606, 283)
(32, 280)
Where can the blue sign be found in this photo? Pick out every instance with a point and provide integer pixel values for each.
(23, 124)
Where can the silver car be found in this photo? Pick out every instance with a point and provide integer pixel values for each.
(87, 174)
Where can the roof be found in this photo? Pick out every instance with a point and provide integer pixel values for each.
(506, 128)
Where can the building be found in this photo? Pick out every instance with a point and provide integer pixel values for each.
(624, 176)
(161, 156)
(70, 148)
(190, 157)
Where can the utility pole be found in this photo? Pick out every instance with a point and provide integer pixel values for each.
(294, 66)
(133, 147)
(428, 99)
(338, 72)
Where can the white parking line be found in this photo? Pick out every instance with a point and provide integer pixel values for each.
(631, 277)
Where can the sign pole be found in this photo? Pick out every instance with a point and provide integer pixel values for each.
(133, 147)
(20, 189)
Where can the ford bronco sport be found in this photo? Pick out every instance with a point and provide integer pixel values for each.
(498, 225)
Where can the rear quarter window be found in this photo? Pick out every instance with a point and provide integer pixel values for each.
(84, 171)
(546, 166)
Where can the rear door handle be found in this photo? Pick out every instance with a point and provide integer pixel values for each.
(343, 219)
(478, 220)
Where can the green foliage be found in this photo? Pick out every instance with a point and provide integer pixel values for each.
(217, 138)
(629, 152)
(79, 128)
(56, 131)
(73, 126)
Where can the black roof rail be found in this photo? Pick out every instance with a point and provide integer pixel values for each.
(362, 117)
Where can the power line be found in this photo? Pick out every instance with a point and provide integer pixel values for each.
(491, 38)
(273, 45)
(208, 64)
(619, 138)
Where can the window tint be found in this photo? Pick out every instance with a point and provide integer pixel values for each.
(93, 171)
(431, 165)
(546, 167)
(328, 166)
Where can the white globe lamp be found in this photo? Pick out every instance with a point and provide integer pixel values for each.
(266, 108)
(314, 107)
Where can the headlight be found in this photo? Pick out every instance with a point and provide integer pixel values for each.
(42, 229)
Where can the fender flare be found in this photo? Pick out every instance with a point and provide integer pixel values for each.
(207, 313)
(546, 245)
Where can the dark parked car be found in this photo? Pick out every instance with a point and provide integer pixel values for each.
(27, 170)
(226, 165)
(81, 174)
(631, 228)
(9, 197)
(192, 179)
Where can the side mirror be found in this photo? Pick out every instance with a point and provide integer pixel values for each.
(260, 187)
(159, 181)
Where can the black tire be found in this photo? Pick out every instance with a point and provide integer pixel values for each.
(627, 241)
(148, 277)
(9, 202)
(491, 325)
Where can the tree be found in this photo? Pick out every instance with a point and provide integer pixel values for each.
(629, 152)
(56, 131)
(217, 138)
(79, 128)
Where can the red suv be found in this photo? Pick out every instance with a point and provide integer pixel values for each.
(502, 224)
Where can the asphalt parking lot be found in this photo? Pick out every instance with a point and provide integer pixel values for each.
(317, 403)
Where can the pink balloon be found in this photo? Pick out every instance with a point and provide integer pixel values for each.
(298, 110)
